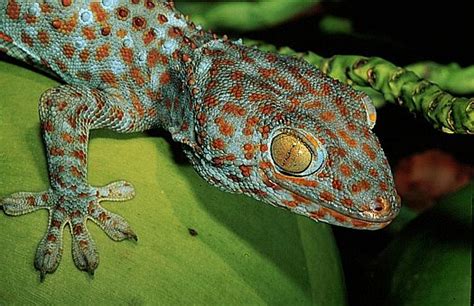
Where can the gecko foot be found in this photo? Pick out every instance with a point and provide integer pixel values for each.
(73, 207)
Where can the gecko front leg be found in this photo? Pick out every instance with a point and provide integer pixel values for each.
(67, 114)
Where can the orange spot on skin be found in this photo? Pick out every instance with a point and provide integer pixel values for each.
(84, 55)
(347, 202)
(54, 151)
(369, 152)
(162, 19)
(337, 184)
(30, 19)
(68, 50)
(373, 172)
(225, 127)
(245, 170)
(201, 117)
(338, 216)
(149, 36)
(61, 65)
(138, 23)
(218, 144)
(347, 139)
(99, 13)
(127, 55)
(66, 2)
(149, 4)
(254, 97)
(57, 24)
(79, 155)
(67, 137)
(165, 78)
(65, 26)
(290, 203)
(237, 91)
(13, 9)
(26, 39)
(31, 201)
(155, 57)
(109, 78)
(45, 8)
(210, 101)
(326, 196)
(312, 105)
(327, 116)
(267, 73)
(297, 180)
(51, 238)
(88, 33)
(105, 31)
(263, 148)
(43, 37)
(266, 109)
(264, 130)
(138, 105)
(5, 37)
(234, 109)
(75, 171)
(121, 33)
(122, 13)
(102, 52)
(341, 105)
(237, 75)
(271, 58)
(300, 199)
(284, 84)
(137, 76)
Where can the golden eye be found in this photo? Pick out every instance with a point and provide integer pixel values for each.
(290, 153)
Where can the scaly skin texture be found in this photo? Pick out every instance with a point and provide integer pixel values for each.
(251, 122)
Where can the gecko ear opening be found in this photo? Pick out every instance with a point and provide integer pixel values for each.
(295, 153)
(370, 111)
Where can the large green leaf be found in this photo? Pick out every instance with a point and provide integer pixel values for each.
(430, 262)
(244, 15)
(245, 251)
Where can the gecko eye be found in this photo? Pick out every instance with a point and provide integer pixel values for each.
(297, 154)
(370, 111)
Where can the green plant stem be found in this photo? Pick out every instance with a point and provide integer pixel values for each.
(452, 77)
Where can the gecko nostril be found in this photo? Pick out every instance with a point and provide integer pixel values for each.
(378, 207)
(381, 205)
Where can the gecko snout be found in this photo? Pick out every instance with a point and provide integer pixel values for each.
(382, 207)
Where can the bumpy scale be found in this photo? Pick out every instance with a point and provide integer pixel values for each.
(268, 126)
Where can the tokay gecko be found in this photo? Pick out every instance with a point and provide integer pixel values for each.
(269, 126)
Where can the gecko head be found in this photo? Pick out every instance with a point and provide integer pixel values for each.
(295, 139)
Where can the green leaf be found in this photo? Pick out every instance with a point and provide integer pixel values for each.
(430, 262)
(245, 252)
(244, 15)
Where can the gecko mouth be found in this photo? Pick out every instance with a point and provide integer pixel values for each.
(381, 216)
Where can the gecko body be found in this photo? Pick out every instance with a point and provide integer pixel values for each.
(268, 126)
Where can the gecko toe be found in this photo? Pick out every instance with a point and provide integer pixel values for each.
(49, 252)
(113, 225)
(116, 191)
(84, 251)
(21, 203)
